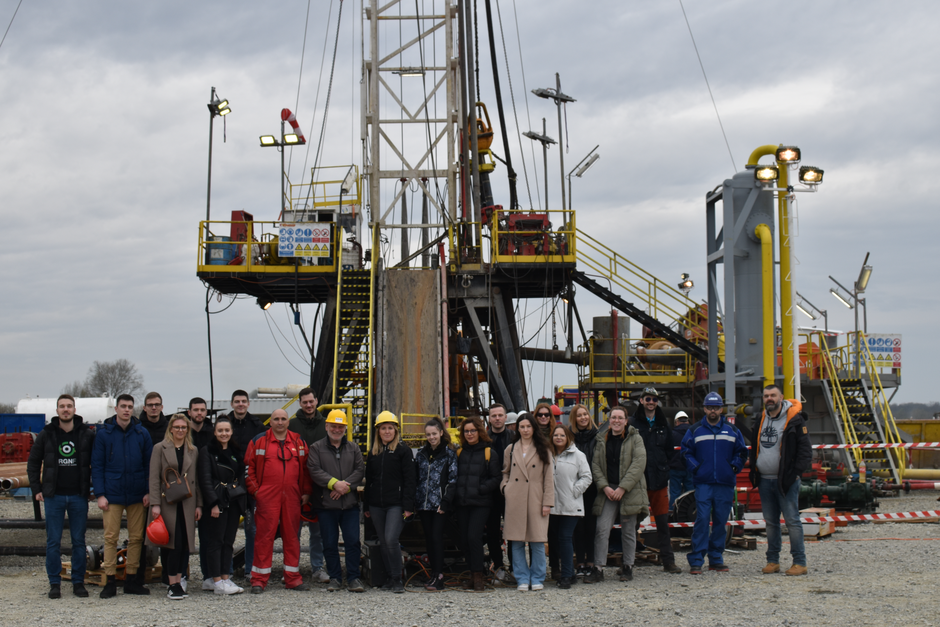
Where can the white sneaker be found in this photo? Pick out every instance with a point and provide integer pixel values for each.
(208, 585)
(222, 588)
(523, 587)
(537, 586)
(321, 576)
(231, 585)
(183, 583)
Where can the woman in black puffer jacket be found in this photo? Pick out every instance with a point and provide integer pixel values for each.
(478, 477)
(585, 438)
(389, 494)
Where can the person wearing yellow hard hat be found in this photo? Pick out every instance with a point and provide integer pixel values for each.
(389, 494)
(336, 467)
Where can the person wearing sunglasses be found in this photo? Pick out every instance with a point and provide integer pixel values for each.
(544, 420)
(650, 421)
(278, 480)
(478, 477)
(177, 452)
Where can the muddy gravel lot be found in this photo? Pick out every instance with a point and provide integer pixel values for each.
(864, 574)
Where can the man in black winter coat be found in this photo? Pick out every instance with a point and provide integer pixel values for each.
(152, 418)
(680, 479)
(650, 421)
(245, 427)
(501, 438)
(59, 470)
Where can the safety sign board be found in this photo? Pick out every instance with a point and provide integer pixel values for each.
(298, 239)
(885, 350)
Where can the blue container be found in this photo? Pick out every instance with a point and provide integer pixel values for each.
(218, 252)
(16, 423)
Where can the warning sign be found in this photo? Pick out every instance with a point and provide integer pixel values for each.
(885, 350)
(303, 240)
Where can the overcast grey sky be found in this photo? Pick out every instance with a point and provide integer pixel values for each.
(104, 136)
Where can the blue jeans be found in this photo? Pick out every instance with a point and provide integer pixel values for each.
(772, 504)
(332, 521)
(680, 482)
(77, 508)
(712, 505)
(388, 523)
(524, 573)
(316, 545)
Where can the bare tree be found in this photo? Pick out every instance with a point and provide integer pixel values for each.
(7, 408)
(113, 378)
(78, 389)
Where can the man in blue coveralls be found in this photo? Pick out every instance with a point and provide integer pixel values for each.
(715, 452)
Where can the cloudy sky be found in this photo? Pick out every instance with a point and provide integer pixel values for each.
(104, 139)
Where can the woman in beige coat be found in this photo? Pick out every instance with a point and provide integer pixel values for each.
(529, 487)
(176, 451)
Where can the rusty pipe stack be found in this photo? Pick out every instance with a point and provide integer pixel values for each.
(13, 476)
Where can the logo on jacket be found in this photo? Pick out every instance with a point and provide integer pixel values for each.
(769, 437)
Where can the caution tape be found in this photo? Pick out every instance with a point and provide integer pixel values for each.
(874, 445)
(754, 523)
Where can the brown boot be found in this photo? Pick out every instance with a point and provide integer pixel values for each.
(796, 569)
(478, 582)
(468, 583)
(770, 568)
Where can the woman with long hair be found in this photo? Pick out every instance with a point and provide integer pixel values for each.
(544, 420)
(477, 479)
(177, 453)
(585, 438)
(529, 488)
(572, 478)
(437, 482)
(221, 481)
(389, 494)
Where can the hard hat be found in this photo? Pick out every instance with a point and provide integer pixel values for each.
(511, 418)
(556, 410)
(386, 416)
(681, 415)
(713, 399)
(650, 391)
(336, 417)
(157, 533)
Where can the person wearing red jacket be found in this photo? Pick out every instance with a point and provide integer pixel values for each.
(278, 480)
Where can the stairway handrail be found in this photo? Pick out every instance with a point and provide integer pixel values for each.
(891, 429)
(848, 425)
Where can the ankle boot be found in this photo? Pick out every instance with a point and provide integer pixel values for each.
(110, 588)
(478, 582)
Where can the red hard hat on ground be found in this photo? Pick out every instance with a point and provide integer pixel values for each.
(156, 531)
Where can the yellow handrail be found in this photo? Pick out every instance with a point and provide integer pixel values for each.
(848, 427)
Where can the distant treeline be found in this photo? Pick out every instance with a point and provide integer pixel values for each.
(914, 411)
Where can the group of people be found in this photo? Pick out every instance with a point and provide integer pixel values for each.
(526, 479)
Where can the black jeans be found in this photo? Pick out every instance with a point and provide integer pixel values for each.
(472, 522)
(586, 529)
(433, 524)
(388, 522)
(220, 536)
(494, 531)
(177, 558)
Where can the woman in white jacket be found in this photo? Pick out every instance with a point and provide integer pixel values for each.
(572, 478)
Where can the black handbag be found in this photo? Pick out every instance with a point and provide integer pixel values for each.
(176, 489)
(230, 487)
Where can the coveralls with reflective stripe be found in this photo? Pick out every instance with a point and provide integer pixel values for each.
(277, 478)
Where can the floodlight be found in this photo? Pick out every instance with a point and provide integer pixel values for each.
(686, 283)
(841, 298)
(218, 107)
(863, 277)
(804, 310)
(292, 138)
(584, 168)
(552, 94)
(766, 173)
(268, 140)
(264, 303)
(810, 175)
(789, 154)
(545, 139)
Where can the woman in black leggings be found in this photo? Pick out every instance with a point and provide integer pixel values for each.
(221, 477)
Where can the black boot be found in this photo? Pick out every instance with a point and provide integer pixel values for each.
(133, 585)
(664, 538)
(110, 588)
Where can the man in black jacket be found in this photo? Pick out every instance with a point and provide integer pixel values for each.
(680, 479)
(152, 418)
(59, 470)
(650, 421)
(501, 438)
(245, 427)
(780, 453)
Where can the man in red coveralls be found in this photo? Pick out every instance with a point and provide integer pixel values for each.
(278, 479)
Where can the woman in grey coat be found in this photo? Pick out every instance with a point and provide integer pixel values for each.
(572, 478)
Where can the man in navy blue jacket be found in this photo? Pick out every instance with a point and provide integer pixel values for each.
(715, 452)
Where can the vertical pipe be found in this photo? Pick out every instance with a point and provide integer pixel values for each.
(794, 331)
(209, 185)
(445, 349)
(767, 300)
(787, 319)
(545, 159)
(561, 143)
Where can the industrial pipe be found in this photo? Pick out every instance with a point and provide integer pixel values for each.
(929, 474)
(12, 483)
(907, 486)
(550, 355)
(786, 301)
(767, 300)
(12, 469)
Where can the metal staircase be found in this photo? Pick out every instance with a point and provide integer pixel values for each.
(861, 407)
(352, 366)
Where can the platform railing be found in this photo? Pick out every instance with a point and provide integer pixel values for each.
(628, 366)
(546, 243)
(256, 251)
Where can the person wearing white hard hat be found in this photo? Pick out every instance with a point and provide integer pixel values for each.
(336, 467)
(680, 479)
(389, 495)
(511, 419)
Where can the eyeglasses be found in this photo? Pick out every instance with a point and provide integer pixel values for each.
(469, 431)
(180, 428)
(648, 399)
(154, 405)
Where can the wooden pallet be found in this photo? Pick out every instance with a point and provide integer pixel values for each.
(99, 578)
(748, 543)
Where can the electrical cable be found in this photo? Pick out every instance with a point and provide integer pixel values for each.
(15, 11)
(286, 339)
(316, 100)
(512, 98)
(528, 115)
(266, 318)
(303, 52)
(209, 342)
(710, 94)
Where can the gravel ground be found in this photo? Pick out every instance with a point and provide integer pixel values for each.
(864, 574)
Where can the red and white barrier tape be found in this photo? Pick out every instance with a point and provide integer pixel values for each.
(816, 519)
(875, 445)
